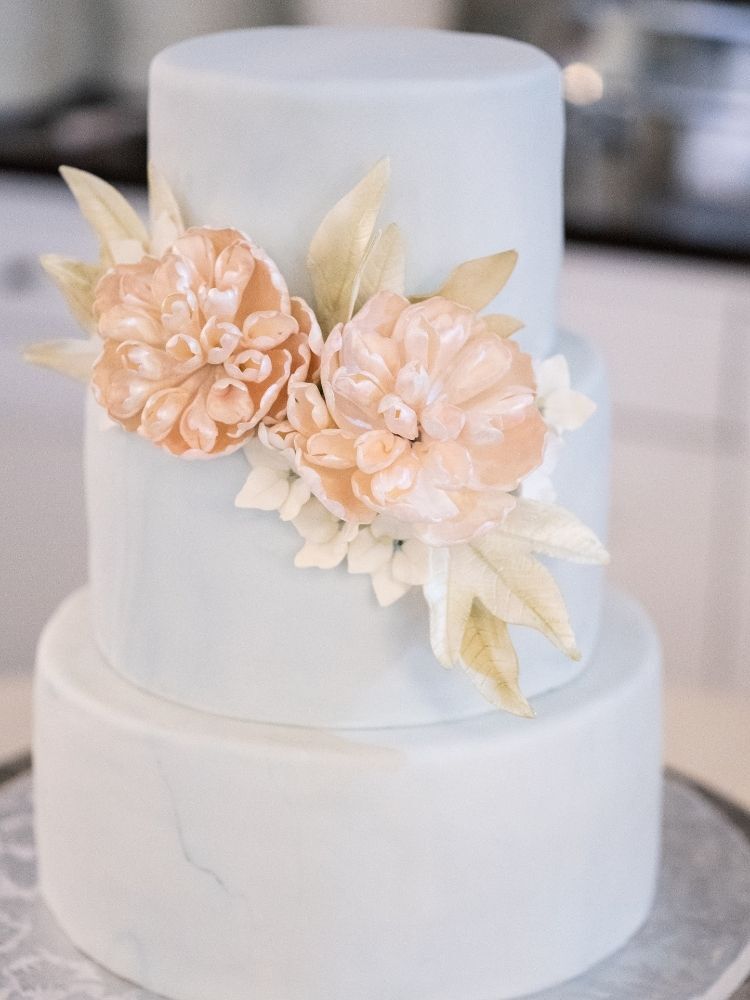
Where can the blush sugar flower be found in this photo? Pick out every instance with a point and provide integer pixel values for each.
(427, 419)
(200, 344)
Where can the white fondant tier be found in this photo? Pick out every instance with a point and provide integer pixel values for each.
(266, 129)
(200, 602)
(475, 860)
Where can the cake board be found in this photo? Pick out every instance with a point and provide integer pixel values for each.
(694, 946)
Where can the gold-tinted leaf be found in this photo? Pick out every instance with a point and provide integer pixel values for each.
(117, 226)
(70, 357)
(339, 247)
(519, 590)
(384, 267)
(552, 531)
(509, 581)
(166, 218)
(503, 326)
(449, 595)
(488, 656)
(476, 282)
(76, 281)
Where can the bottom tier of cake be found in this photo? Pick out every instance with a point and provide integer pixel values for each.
(204, 857)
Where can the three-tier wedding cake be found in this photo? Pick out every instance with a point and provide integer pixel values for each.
(346, 482)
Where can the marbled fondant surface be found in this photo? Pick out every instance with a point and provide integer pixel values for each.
(695, 942)
(265, 130)
(200, 602)
(458, 861)
(265, 782)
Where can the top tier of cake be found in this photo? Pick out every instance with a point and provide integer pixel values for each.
(264, 130)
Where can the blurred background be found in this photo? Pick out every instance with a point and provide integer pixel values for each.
(656, 274)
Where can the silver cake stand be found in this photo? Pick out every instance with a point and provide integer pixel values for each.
(694, 946)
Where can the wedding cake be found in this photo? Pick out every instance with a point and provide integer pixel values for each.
(345, 482)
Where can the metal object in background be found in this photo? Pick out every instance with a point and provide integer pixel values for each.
(414, 14)
(658, 102)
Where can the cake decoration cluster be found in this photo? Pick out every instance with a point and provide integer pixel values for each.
(408, 437)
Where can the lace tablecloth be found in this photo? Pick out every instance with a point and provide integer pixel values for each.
(695, 945)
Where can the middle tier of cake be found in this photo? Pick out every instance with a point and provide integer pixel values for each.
(200, 602)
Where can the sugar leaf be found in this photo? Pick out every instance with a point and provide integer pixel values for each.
(164, 212)
(475, 283)
(119, 230)
(384, 267)
(77, 281)
(488, 656)
(552, 531)
(509, 581)
(449, 592)
(340, 245)
(519, 590)
(503, 326)
(73, 357)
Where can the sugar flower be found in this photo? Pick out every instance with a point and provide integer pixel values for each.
(540, 485)
(426, 417)
(272, 483)
(326, 537)
(563, 408)
(201, 343)
(394, 565)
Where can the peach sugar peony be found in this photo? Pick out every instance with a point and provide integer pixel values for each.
(201, 343)
(427, 418)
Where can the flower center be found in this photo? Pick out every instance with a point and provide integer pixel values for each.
(399, 417)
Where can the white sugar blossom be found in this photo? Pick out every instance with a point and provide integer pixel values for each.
(563, 408)
(394, 566)
(326, 537)
(540, 484)
(272, 483)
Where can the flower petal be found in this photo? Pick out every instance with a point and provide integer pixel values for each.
(316, 524)
(367, 553)
(321, 555)
(411, 563)
(299, 494)
(264, 489)
(229, 402)
(377, 450)
(387, 588)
